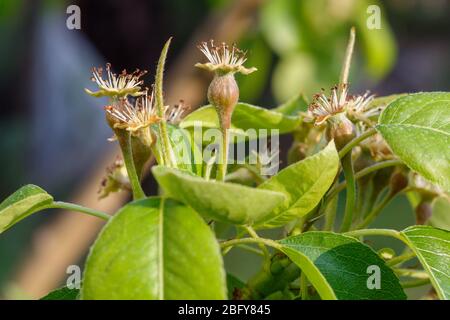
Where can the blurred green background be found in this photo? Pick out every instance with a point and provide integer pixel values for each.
(53, 135)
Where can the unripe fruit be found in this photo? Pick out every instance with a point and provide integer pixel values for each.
(341, 129)
(223, 93)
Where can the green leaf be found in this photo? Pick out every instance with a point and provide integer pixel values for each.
(417, 129)
(245, 116)
(432, 247)
(63, 293)
(440, 217)
(293, 106)
(339, 267)
(383, 101)
(155, 249)
(186, 151)
(22, 203)
(224, 202)
(304, 183)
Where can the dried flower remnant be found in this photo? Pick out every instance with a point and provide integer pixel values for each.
(355, 106)
(339, 107)
(361, 109)
(426, 188)
(223, 59)
(116, 179)
(125, 118)
(117, 85)
(378, 148)
(332, 110)
(175, 113)
(323, 107)
(125, 115)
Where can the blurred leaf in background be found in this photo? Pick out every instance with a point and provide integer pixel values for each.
(302, 43)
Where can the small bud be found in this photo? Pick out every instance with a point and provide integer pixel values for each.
(398, 182)
(423, 212)
(386, 253)
(279, 263)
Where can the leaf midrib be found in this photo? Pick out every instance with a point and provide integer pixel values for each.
(45, 197)
(330, 295)
(416, 111)
(293, 205)
(161, 249)
(440, 292)
(414, 126)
